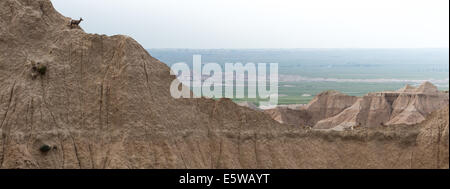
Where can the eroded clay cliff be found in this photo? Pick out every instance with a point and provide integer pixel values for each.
(104, 102)
(407, 106)
(324, 105)
(328, 104)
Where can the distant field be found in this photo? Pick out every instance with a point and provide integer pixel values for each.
(303, 73)
(302, 93)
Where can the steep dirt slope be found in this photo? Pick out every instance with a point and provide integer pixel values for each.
(104, 102)
(434, 140)
(328, 104)
(324, 105)
(414, 106)
(284, 115)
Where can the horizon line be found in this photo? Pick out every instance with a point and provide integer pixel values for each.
(412, 48)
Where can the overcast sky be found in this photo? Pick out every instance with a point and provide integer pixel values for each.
(267, 23)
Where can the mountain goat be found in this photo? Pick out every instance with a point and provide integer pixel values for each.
(75, 22)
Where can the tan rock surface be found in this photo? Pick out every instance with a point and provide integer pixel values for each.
(433, 140)
(345, 120)
(104, 102)
(328, 104)
(407, 106)
(325, 105)
(284, 115)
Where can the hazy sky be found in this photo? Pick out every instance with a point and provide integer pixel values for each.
(267, 23)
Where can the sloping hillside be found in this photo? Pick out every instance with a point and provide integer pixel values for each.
(104, 102)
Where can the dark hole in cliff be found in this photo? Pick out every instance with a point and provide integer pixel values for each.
(42, 8)
(42, 69)
(45, 148)
(390, 98)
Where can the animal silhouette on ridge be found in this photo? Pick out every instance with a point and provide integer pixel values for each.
(75, 23)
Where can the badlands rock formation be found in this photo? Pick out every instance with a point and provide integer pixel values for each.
(289, 116)
(337, 111)
(324, 105)
(328, 104)
(406, 106)
(104, 102)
